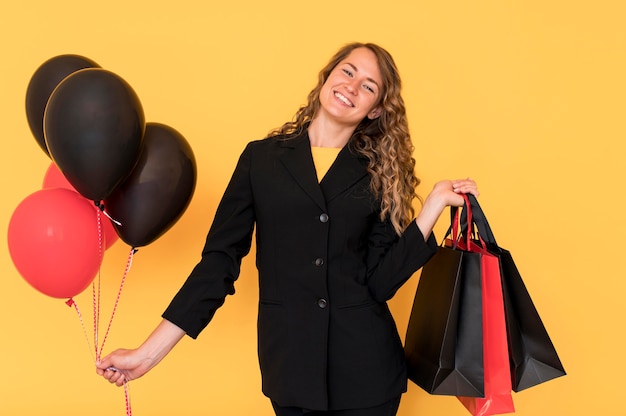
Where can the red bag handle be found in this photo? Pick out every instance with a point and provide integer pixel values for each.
(467, 215)
(468, 223)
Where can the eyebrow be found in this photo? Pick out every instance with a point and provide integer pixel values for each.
(357, 70)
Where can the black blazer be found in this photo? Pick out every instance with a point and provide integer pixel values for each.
(327, 265)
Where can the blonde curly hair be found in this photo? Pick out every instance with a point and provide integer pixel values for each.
(385, 141)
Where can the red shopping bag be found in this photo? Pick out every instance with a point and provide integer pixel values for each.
(497, 372)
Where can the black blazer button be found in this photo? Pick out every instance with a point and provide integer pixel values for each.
(319, 262)
(322, 303)
(324, 217)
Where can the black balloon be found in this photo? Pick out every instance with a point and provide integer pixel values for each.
(94, 126)
(158, 190)
(43, 82)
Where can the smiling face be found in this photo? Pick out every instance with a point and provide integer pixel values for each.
(352, 90)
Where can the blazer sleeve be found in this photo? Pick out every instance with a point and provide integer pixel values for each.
(228, 241)
(392, 260)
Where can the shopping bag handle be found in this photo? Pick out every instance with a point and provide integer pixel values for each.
(465, 222)
(479, 219)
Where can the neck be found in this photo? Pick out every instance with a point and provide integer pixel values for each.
(328, 134)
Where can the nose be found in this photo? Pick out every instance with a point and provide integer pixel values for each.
(352, 87)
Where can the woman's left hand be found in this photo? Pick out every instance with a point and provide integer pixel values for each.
(449, 191)
(465, 186)
(445, 193)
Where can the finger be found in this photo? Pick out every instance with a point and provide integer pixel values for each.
(117, 377)
(111, 374)
(463, 187)
(471, 190)
(104, 364)
(468, 189)
(120, 382)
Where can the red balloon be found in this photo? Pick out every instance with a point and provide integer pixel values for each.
(53, 242)
(54, 179)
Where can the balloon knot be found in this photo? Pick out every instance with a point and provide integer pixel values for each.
(70, 302)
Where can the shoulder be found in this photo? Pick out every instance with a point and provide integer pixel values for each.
(274, 144)
(259, 149)
(264, 143)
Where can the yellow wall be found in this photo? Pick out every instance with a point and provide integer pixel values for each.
(527, 97)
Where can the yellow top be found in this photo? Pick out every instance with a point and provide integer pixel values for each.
(323, 158)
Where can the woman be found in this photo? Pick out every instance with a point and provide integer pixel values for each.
(330, 194)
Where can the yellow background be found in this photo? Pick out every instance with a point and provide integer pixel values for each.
(527, 97)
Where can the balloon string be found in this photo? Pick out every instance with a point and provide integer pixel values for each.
(117, 299)
(96, 291)
(70, 302)
(111, 218)
(100, 206)
(129, 411)
(95, 295)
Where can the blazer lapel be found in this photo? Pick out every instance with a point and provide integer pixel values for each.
(299, 162)
(347, 170)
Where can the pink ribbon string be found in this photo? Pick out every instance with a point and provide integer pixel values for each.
(95, 292)
(117, 299)
(96, 311)
(70, 302)
(129, 411)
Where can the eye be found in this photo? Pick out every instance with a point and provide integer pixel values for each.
(368, 88)
(347, 72)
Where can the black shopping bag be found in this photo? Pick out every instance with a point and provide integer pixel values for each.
(443, 344)
(533, 358)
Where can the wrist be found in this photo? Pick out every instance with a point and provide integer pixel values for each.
(435, 202)
(429, 214)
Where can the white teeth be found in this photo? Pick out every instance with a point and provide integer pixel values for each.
(344, 99)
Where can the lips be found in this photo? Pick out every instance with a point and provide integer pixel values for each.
(343, 99)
